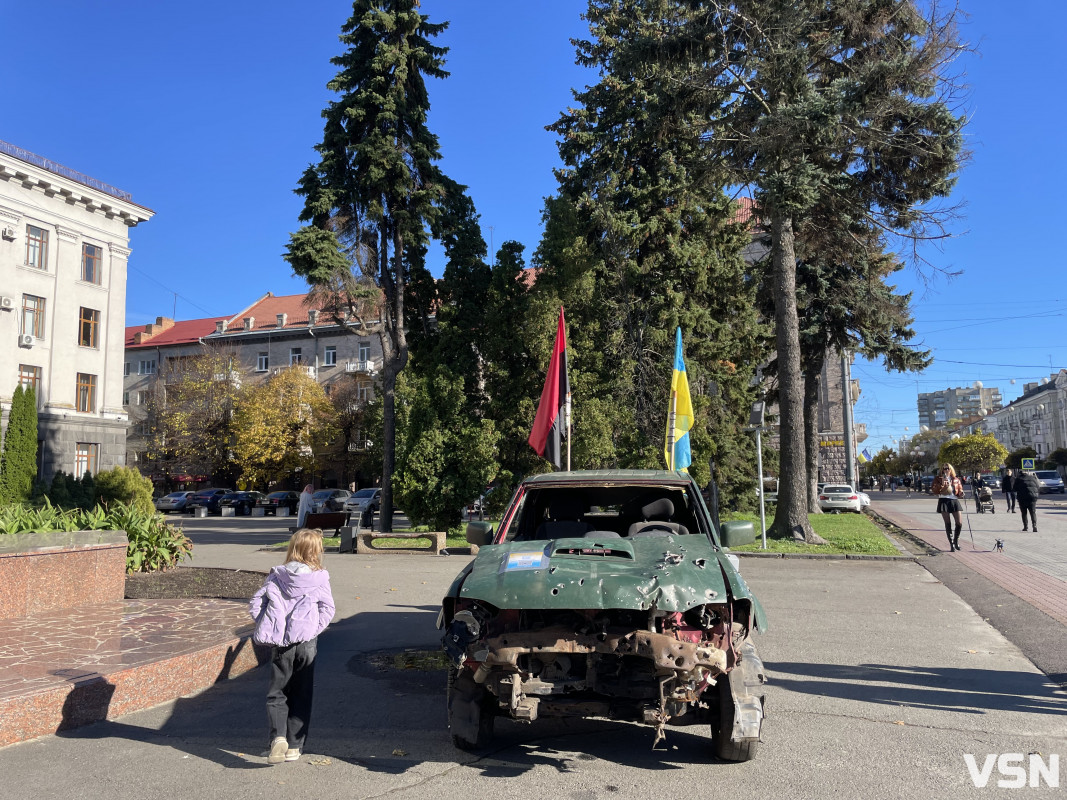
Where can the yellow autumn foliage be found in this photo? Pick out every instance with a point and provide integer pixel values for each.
(281, 426)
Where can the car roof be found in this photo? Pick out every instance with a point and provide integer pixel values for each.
(607, 476)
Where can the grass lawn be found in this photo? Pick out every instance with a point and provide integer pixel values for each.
(845, 533)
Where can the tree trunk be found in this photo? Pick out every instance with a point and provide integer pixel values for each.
(791, 513)
(811, 436)
(395, 359)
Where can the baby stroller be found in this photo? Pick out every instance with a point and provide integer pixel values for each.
(983, 500)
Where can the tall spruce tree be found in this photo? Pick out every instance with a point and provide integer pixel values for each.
(373, 193)
(18, 464)
(839, 102)
(651, 247)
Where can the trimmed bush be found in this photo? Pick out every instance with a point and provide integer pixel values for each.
(124, 485)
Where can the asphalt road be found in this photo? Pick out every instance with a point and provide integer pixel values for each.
(881, 679)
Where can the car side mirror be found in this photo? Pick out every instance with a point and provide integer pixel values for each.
(479, 533)
(736, 533)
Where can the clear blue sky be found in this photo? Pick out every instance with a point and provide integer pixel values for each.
(208, 112)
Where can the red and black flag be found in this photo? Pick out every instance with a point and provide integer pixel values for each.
(548, 429)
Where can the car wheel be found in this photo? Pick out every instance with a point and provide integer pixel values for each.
(471, 710)
(725, 748)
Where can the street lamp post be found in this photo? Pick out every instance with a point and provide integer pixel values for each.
(755, 425)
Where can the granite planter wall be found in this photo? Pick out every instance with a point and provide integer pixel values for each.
(41, 572)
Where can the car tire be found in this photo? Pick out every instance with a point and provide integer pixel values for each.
(462, 688)
(725, 748)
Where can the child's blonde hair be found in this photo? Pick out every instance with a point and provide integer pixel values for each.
(305, 546)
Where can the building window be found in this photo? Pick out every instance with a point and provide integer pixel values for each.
(30, 377)
(142, 398)
(262, 362)
(363, 391)
(85, 458)
(33, 315)
(36, 247)
(330, 358)
(86, 397)
(125, 398)
(294, 356)
(364, 351)
(147, 367)
(89, 328)
(126, 370)
(91, 259)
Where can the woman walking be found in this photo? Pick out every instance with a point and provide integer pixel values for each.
(292, 608)
(948, 489)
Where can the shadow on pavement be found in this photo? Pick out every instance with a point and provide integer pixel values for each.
(967, 691)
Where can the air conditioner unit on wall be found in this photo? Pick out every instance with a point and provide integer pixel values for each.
(8, 233)
(7, 303)
(26, 339)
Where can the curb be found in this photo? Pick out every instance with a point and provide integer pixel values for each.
(825, 556)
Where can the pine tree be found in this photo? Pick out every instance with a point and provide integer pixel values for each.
(842, 103)
(374, 190)
(651, 247)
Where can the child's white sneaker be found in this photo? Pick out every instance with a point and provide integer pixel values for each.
(277, 750)
(292, 754)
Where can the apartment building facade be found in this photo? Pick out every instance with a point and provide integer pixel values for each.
(64, 246)
(1038, 419)
(960, 403)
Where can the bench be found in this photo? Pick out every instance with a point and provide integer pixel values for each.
(326, 520)
(365, 542)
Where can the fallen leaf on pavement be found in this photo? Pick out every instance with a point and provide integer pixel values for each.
(320, 762)
(399, 752)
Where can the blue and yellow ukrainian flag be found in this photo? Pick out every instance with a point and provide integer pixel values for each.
(864, 456)
(682, 406)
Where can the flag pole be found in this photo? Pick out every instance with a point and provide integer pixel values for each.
(567, 415)
(670, 427)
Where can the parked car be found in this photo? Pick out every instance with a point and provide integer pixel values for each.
(927, 483)
(606, 593)
(329, 500)
(840, 497)
(363, 499)
(865, 499)
(1050, 481)
(241, 502)
(206, 498)
(275, 500)
(175, 501)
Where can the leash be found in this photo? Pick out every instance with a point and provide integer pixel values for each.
(967, 513)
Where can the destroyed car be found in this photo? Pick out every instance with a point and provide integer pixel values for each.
(606, 594)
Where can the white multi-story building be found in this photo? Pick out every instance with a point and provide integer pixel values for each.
(64, 244)
(1038, 419)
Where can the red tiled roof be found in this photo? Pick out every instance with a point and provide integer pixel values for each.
(266, 311)
(160, 333)
(745, 210)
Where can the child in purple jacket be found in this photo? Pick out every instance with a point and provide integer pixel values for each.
(291, 609)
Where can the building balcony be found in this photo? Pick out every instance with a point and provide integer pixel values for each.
(365, 367)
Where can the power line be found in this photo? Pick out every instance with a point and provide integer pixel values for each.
(176, 294)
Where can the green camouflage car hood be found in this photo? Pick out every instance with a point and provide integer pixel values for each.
(672, 573)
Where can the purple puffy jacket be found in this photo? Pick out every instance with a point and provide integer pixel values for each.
(292, 606)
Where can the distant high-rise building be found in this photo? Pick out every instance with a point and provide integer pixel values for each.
(937, 408)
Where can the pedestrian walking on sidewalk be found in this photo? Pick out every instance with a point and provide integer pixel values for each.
(291, 609)
(949, 489)
(1007, 485)
(1027, 490)
(304, 508)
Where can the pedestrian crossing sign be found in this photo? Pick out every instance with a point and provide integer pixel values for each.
(1028, 463)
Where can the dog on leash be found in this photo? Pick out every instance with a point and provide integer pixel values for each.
(999, 546)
